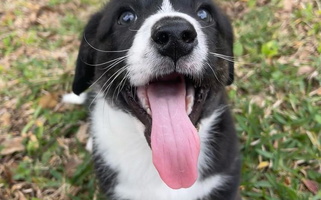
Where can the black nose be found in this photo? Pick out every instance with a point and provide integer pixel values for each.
(174, 37)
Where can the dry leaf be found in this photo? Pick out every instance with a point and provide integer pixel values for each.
(276, 144)
(313, 75)
(311, 185)
(49, 100)
(82, 134)
(2, 82)
(5, 118)
(263, 165)
(316, 92)
(8, 16)
(7, 174)
(21, 195)
(259, 100)
(55, 161)
(305, 70)
(71, 165)
(12, 145)
(288, 5)
(287, 181)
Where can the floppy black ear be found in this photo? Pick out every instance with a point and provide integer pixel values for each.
(84, 74)
(226, 31)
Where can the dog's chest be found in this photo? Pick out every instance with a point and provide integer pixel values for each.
(120, 142)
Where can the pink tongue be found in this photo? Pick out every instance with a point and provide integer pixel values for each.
(174, 139)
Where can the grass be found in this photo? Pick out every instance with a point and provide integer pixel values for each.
(276, 99)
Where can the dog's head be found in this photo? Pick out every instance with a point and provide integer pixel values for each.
(161, 61)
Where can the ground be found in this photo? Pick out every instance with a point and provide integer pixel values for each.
(276, 99)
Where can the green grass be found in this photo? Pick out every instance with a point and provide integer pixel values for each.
(276, 99)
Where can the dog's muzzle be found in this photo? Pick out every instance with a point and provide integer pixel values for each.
(174, 37)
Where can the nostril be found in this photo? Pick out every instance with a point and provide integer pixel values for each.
(161, 37)
(174, 37)
(188, 36)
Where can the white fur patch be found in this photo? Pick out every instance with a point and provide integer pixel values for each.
(72, 98)
(206, 125)
(166, 6)
(144, 62)
(89, 145)
(119, 138)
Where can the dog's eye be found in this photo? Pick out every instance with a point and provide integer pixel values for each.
(126, 18)
(204, 15)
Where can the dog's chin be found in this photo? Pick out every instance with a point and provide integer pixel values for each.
(139, 99)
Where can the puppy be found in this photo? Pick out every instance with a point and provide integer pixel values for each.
(160, 121)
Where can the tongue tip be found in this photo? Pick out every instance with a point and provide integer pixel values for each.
(177, 184)
(178, 180)
(184, 185)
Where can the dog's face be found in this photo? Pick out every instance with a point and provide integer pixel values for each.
(161, 61)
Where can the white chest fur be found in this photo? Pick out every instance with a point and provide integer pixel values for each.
(120, 141)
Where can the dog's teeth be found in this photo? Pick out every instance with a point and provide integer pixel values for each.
(148, 110)
(190, 100)
(189, 104)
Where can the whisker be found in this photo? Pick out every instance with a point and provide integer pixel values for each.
(133, 30)
(121, 85)
(224, 57)
(109, 68)
(100, 64)
(115, 63)
(215, 74)
(104, 51)
(207, 26)
(134, 92)
(94, 99)
(116, 75)
(98, 79)
(101, 89)
(231, 59)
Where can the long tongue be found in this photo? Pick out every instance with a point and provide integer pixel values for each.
(174, 139)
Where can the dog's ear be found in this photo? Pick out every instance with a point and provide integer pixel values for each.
(84, 74)
(226, 31)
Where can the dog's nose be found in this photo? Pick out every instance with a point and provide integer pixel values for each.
(174, 37)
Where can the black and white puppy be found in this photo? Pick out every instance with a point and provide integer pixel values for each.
(160, 123)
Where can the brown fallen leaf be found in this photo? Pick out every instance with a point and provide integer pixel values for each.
(287, 181)
(311, 185)
(316, 92)
(82, 134)
(8, 17)
(21, 195)
(7, 174)
(313, 75)
(5, 118)
(71, 165)
(49, 100)
(288, 5)
(259, 100)
(12, 145)
(305, 70)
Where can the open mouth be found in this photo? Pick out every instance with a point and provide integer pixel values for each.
(170, 108)
(169, 86)
(138, 100)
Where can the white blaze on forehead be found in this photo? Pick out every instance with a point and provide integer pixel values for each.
(167, 6)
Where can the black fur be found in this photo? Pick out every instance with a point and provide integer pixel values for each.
(103, 34)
